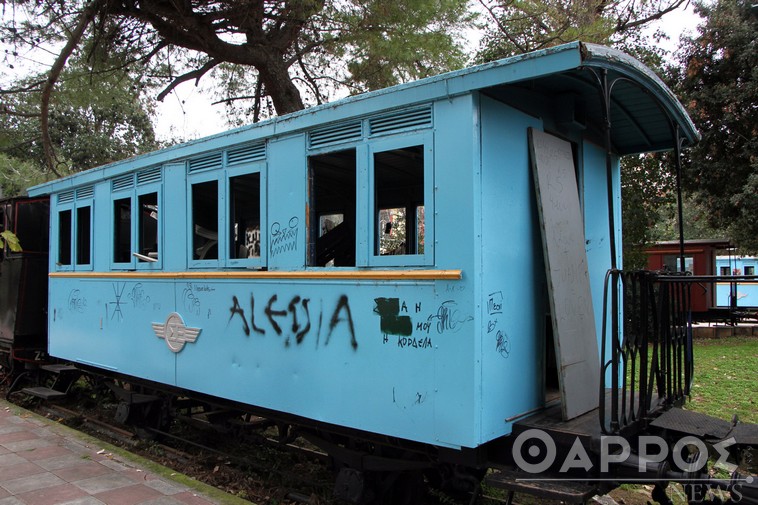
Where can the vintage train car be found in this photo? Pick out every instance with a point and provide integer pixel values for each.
(423, 266)
(23, 282)
(700, 260)
(741, 294)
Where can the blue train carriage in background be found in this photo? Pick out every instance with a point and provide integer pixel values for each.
(742, 294)
(422, 267)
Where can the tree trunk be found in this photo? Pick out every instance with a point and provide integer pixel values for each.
(279, 86)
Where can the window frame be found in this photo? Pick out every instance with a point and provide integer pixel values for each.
(426, 141)
(216, 176)
(133, 194)
(230, 173)
(73, 208)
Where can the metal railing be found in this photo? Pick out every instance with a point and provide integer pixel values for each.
(646, 349)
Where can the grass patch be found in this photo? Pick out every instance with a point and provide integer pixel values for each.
(724, 384)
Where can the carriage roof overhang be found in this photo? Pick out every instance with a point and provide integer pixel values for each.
(645, 115)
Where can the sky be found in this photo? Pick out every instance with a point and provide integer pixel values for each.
(187, 112)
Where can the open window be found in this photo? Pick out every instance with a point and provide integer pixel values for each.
(147, 227)
(205, 220)
(84, 235)
(245, 217)
(399, 201)
(65, 223)
(122, 230)
(136, 229)
(401, 174)
(332, 203)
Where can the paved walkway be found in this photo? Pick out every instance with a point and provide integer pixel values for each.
(44, 463)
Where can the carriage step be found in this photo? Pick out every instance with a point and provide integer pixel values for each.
(540, 486)
(44, 393)
(58, 368)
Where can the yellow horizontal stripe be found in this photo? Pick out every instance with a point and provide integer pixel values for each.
(358, 275)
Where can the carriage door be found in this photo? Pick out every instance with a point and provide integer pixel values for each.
(573, 320)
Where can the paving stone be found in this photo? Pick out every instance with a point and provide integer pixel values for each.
(41, 463)
(11, 500)
(164, 487)
(129, 495)
(51, 451)
(31, 483)
(26, 445)
(102, 483)
(59, 462)
(87, 500)
(53, 495)
(84, 470)
(17, 471)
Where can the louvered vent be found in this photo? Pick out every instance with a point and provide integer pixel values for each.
(149, 175)
(87, 192)
(402, 120)
(66, 197)
(123, 182)
(206, 162)
(247, 154)
(343, 132)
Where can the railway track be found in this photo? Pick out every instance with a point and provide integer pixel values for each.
(256, 465)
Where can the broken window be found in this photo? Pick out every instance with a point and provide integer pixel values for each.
(245, 212)
(399, 201)
(331, 237)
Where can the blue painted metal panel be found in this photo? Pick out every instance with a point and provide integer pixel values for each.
(513, 283)
(596, 228)
(107, 323)
(286, 198)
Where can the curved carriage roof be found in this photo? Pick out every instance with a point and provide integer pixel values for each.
(645, 115)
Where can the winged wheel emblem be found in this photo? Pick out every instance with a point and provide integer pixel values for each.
(175, 333)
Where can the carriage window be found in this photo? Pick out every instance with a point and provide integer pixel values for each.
(205, 220)
(122, 226)
(148, 225)
(83, 235)
(64, 237)
(399, 201)
(245, 207)
(32, 220)
(725, 271)
(750, 270)
(331, 237)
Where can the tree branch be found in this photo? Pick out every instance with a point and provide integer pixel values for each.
(624, 26)
(85, 18)
(195, 74)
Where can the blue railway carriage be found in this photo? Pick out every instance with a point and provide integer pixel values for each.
(423, 264)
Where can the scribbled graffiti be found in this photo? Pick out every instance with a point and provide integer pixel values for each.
(448, 318)
(283, 239)
(503, 344)
(76, 301)
(294, 319)
(494, 308)
(113, 309)
(138, 296)
(190, 300)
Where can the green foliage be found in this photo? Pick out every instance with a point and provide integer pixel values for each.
(520, 26)
(718, 82)
(16, 175)
(648, 186)
(97, 117)
(10, 238)
(388, 42)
